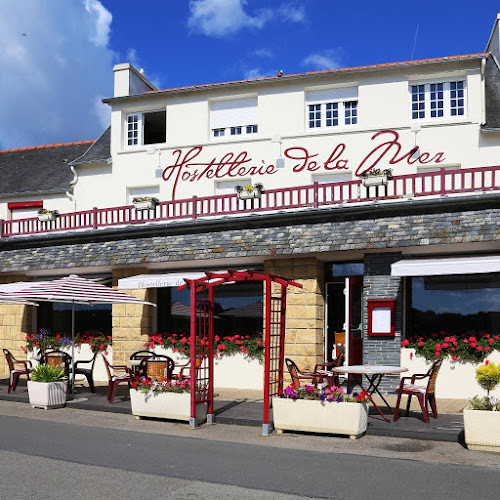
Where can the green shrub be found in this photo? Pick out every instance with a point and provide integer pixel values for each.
(488, 376)
(47, 373)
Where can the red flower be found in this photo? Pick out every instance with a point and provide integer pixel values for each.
(437, 353)
(479, 348)
(487, 362)
(405, 343)
(438, 347)
(490, 341)
(445, 345)
(472, 345)
(454, 358)
(421, 343)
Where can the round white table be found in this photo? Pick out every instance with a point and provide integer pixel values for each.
(374, 375)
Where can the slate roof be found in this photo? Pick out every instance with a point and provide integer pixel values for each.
(39, 169)
(492, 95)
(99, 152)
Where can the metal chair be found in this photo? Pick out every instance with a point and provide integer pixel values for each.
(338, 361)
(15, 373)
(87, 372)
(424, 393)
(115, 379)
(297, 375)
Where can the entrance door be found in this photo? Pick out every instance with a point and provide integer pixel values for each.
(344, 327)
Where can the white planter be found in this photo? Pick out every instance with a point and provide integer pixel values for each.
(350, 419)
(47, 395)
(375, 180)
(47, 217)
(230, 372)
(169, 405)
(145, 205)
(245, 195)
(456, 379)
(482, 429)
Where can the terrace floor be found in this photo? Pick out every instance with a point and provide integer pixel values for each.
(243, 407)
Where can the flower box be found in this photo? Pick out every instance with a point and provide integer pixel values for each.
(169, 405)
(145, 205)
(250, 191)
(350, 419)
(47, 395)
(375, 180)
(482, 429)
(47, 216)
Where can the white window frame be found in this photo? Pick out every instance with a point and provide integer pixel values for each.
(140, 127)
(447, 116)
(241, 126)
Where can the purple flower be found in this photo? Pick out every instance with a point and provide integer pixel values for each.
(354, 394)
(339, 400)
(348, 391)
(322, 397)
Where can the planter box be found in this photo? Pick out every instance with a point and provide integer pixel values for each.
(245, 195)
(375, 180)
(145, 205)
(350, 419)
(47, 217)
(169, 405)
(482, 429)
(47, 395)
(456, 379)
(230, 372)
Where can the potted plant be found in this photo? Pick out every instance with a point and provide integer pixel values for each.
(376, 177)
(145, 202)
(482, 417)
(331, 410)
(164, 399)
(48, 387)
(250, 191)
(45, 215)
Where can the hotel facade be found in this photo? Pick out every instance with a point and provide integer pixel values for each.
(377, 188)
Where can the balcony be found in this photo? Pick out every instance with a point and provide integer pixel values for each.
(435, 184)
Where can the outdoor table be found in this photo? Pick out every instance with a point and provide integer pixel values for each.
(374, 375)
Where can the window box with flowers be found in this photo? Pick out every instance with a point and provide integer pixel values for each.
(145, 202)
(331, 410)
(482, 417)
(46, 215)
(250, 191)
(238, 358)
(377, 177)
(169, 399)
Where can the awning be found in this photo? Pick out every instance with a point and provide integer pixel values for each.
(157, 280)
(446, 266)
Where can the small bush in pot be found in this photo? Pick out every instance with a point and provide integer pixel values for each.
(48, 387)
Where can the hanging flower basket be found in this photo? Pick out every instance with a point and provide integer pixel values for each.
(145, 203)
(377, 177)
(250, 191)
(45, 215)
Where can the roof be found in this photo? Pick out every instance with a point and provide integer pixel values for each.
(296, 76)
(99, 151)
(38, 169)
(492, 95)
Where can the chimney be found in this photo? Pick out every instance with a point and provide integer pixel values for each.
(130, 81)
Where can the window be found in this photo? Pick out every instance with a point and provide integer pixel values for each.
(437, 100)
(229, 187)
(146, 128)
(336, 107)
(132, 192)
(233, 117)
(24, 209)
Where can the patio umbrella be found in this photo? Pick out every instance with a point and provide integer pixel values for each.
(74, 289)
(6, 299)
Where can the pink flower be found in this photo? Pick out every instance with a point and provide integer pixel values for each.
(411, 355)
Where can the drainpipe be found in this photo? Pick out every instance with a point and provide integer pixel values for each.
(72, 184)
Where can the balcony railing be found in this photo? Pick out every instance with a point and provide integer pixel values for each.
(429, 184)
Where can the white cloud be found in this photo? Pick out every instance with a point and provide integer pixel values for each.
(264, 53)
(293, 12)
(220, 18)
(52, 78)
(329, 59)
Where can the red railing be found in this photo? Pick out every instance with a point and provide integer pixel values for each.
(436, 183)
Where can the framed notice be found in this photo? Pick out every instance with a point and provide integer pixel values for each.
(381, 318)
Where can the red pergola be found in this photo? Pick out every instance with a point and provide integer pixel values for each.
(202, 337)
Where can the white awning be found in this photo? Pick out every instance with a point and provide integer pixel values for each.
(446, 266)
(157, 280)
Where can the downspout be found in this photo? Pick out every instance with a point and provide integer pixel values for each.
(71, 190)
(483, 92)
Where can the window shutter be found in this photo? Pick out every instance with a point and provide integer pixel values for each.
(233, 112)
(330, 95)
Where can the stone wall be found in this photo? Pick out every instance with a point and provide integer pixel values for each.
(132, 323)
(304, 334)
(15, 323)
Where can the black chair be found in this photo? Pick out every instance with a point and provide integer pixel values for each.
(87, 372)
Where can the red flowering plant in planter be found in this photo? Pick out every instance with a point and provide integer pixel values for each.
(44, 339)
(251, 346)
(332, 394)
(464, 347)
(146, 385)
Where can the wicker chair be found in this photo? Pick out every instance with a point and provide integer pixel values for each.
(139, 356)
(15, 370)
(115, 379)
(424, 393)
(159, 367)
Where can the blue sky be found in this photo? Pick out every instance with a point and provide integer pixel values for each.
(57, 55)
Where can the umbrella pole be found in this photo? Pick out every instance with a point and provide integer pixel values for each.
(73, 351)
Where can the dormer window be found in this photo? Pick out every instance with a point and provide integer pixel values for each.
(146, 128)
